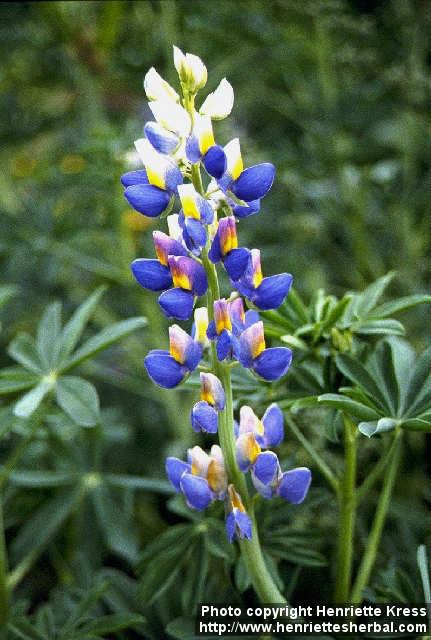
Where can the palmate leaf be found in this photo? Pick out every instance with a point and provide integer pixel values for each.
(14, 379)
(359, 375)
(111, 623)
(41, 479)
(391, 365)
(194, 577)
(79, 400)
(23, 350)
(397, 388)
(378, 426)
(360, 314)
(367, 300)
(44, 523)
(418, 396)
(349, 406)
(73, 329)
(31, 400)
(47, 337)
(120, 534)
(400, 304)
(84, 608)
(376, 327)
(103, 340)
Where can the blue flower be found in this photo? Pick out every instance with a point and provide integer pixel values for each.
(220, 330)
(294, 484)
(204, 415)
(162, 140)
(190, 281)
(202, 479)
(238, 522)
(169, 368)
(196, 213)
(225, 248)
(180, 277)
(152, 192)
(155, 275)
(269, 431)
(264, 293)
(247, 185)
(201, 146)
(266, 473)
(269, 364)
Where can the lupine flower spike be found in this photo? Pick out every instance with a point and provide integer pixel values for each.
(178, 142)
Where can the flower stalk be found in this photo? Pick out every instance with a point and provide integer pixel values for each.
(203, 234)
(373, 541)
(347, 515)
(251, 550)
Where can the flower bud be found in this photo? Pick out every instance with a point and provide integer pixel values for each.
(191, 70)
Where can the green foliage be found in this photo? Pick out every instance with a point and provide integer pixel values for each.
(341, 106)
(45, 360)
(393, 388)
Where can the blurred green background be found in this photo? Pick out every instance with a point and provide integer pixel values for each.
(335, 94)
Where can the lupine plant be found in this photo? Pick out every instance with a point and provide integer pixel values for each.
(183, 163)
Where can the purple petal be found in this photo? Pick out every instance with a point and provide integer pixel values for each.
(134, 177)
(254, 182)
(272, 291)
(294, 484)
(166, 246)
(243, 211)
(177, 303)
(236, 263)
(193, 152)
(204, 417)
(175, 469)
(215, 161)
(151, 275)
(147, 199)
(188, 274)
(162, 140)
(273, 423)
(224, 344)
(273, 363)
(196, 491)
(163, 369)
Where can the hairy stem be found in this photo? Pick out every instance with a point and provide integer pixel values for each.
(373, 542)
(347, 510)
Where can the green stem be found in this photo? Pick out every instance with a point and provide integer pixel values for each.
(324, 468)
(373, 542)
(18, 452)
(251, 550)
(347, 510)
(4, 591)
(376, 473)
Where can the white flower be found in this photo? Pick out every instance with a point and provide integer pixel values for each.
(201, 326)
(191, 70)
(157, 165)
(157, 89)
(171, 115)
(218, 104)
(234, 159)
(174, 228)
